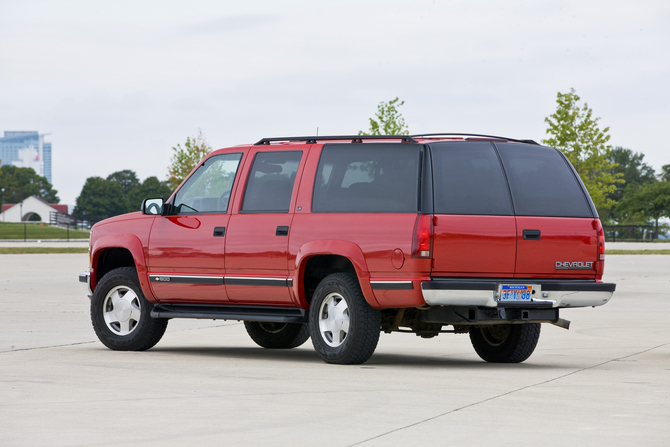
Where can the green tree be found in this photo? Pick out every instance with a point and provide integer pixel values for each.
(650, 201)
(185, 159)
(665, 173)
(127, 179)
(100, 199)
(389, 121)
(632, 169)
(576, 133)
(21, 183)
(151, 188)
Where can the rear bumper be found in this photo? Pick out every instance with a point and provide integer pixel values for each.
(485, 292)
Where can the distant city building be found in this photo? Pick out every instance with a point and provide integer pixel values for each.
(26, 149)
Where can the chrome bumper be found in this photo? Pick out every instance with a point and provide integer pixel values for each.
(485, 293)
(85, 283)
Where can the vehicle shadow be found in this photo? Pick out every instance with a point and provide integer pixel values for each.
(306, 355)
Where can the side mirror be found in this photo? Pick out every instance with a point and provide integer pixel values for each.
(153, 206)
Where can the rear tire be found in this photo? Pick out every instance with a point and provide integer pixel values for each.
(120, 313)
(344, 328)
(505, 343)
(277, 335)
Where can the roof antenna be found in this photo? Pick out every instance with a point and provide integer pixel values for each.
(317, 131)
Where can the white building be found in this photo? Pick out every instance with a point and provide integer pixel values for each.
(21, 212)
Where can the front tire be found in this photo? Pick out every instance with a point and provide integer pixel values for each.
(120, 313)
(505, 343)
(277, 335)
(343, 326)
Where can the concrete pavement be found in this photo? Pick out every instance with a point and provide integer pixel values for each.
(606, 381)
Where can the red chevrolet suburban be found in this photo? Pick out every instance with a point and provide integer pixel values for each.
(339, 238)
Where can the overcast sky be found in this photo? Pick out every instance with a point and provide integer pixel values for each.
(118, 83)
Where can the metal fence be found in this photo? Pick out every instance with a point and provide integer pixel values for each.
(629, 233)
(60, 227)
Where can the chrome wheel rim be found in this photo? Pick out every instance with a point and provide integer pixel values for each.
(121, 310)
(334, 319)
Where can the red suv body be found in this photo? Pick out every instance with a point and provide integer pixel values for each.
(341, 237)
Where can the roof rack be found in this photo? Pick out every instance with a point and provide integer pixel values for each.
(423, 135)
(353, 138)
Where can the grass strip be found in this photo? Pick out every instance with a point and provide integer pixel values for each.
(41, 250)
(637, 252)
(37, 231)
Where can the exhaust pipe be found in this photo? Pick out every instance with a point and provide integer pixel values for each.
(565, 324)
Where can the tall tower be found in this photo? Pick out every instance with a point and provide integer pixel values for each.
(27, 149)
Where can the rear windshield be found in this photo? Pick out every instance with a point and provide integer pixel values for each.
(468, 179)
(367, 178)
(541, 182)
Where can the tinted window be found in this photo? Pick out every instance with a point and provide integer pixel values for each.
(468, 179)
(541, 182)
(367, 178)
(270, 183)
(208, 189)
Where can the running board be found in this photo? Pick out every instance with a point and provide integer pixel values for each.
(226, 312)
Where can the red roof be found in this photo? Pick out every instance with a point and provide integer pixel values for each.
(57, 207)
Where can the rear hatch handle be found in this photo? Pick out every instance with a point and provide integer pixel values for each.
(531, 235)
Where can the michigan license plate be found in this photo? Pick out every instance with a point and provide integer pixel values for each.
(516, 292)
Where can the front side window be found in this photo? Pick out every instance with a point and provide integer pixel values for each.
(367, 178)
(270, 184)
(208, 189)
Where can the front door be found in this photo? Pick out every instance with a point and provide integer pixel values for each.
(186, 248)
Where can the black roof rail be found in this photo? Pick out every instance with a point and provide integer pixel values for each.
(353, 138)
(471, 135)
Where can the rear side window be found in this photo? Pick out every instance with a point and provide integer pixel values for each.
(270, 184)
(542, 183)
(468, 179)
(367, 178)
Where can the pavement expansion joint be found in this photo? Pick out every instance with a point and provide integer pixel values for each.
(506, 394)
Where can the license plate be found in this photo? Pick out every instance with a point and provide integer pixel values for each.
(516, 292)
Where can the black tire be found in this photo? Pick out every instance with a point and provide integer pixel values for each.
(277, 335)
(124, 325)
(505, 343)
(363, 323)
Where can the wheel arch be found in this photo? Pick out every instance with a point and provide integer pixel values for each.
(119, 250)
(317, 259)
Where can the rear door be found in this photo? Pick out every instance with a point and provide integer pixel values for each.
(257, 237)
(556, 236)
(475, 229)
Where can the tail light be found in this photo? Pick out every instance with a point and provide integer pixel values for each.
(422, 245)
(600, 261)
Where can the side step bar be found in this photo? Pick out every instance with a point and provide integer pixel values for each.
(226, 312)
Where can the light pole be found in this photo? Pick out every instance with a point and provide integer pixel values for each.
(3, 202)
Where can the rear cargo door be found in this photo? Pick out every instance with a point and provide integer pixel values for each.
(554, 217)
(475, 229)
